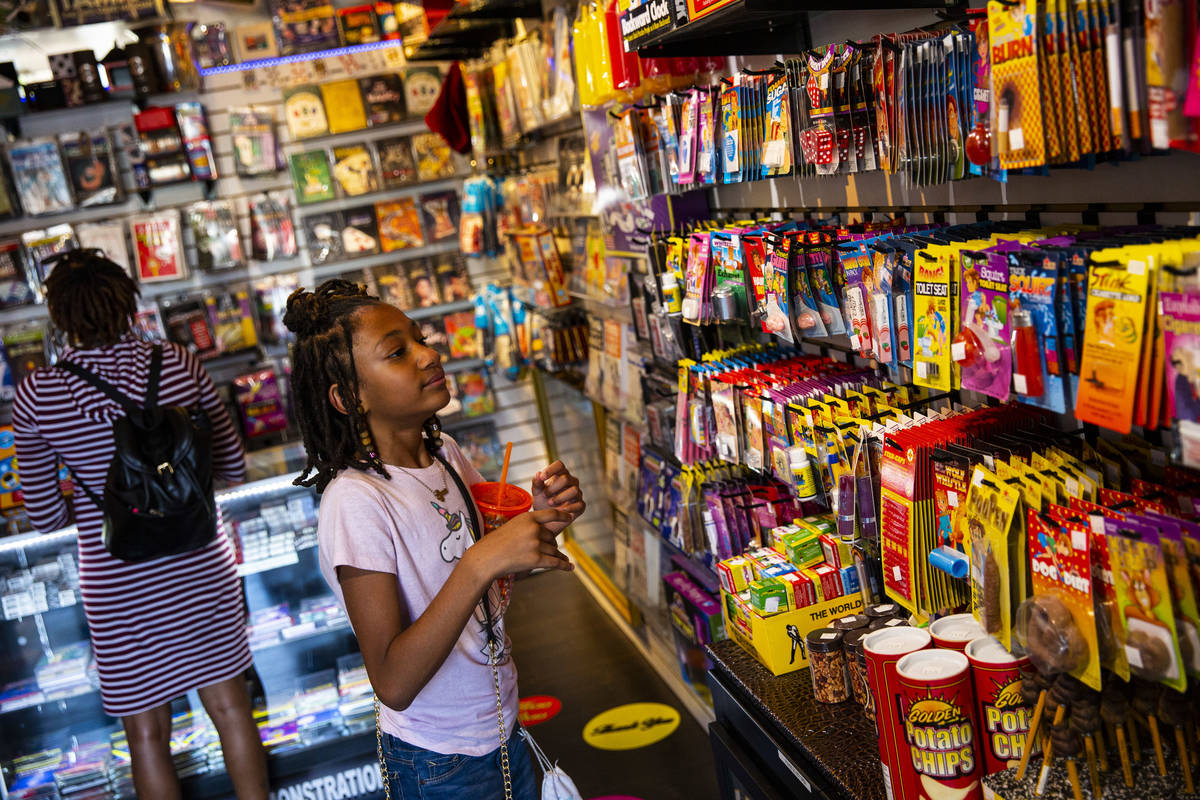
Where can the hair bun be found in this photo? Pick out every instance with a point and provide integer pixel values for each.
(306, 313)
(309, 313)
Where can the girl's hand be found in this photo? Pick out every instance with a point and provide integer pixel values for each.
(556, 487)
(524, 543)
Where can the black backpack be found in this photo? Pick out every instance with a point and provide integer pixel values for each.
(158, 497)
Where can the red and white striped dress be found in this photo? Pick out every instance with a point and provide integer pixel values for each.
(159, 628)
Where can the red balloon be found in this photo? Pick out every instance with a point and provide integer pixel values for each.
(979, 145)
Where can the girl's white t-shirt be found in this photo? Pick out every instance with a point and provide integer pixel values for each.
(398, 526)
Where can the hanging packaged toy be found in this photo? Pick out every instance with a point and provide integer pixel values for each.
(987, 517)
(1144, 599)
(1056, 626)
(1019, 136)
(1112, 344)
(1037, 374)
(931, 307)
(982, 347)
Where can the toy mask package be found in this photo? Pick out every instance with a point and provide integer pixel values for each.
(1112, 345)
(982, 348)
(1037, 369)
(1144, 599)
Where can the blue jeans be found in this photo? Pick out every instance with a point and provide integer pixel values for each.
(418, 774)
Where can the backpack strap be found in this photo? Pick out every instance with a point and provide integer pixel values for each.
(113, 393)
(156, 360)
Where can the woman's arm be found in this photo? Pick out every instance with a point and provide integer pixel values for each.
(229, 460)
(38, 463)
(401, 660)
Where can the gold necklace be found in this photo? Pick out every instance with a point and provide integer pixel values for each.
(440, 494)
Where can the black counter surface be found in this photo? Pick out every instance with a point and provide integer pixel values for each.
(836, 741)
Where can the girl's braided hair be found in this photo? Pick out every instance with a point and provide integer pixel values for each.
(91, 298)
(323, 355)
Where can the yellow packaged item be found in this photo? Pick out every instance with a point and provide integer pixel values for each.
(1112, 345)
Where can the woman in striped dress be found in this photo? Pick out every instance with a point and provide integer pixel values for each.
(162, 627)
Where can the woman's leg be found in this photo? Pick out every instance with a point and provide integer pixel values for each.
(228, 705)
(149, 735)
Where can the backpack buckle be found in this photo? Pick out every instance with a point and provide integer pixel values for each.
(166, 465)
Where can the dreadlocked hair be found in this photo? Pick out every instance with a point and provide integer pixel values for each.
(91, 298)
(323, 355)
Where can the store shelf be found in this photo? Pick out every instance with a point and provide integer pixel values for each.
(698, 571)
(343, 626)
(410, 190)
(407, 128)
(322, 271)
(759, 27)
(496, 9)
(284, 766)
(83, 701)
(267, 564)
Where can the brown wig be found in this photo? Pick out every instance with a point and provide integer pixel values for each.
(91, 299)
(323, 355)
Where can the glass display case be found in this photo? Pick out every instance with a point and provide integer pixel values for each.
(312, 700)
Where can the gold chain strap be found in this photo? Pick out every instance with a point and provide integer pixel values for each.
(504, 767)
(508, 792)
(383, 770)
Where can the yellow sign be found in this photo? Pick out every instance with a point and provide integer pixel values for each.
(631, 726)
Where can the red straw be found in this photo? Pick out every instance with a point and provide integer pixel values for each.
(504, 474)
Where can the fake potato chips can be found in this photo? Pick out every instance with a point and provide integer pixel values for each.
(883, 650)
(941, 757)
(1003, 716)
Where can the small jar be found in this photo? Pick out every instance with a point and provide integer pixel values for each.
(851, 622)
(856, 664)
(827, 660)
(887, 622)
(883, 610)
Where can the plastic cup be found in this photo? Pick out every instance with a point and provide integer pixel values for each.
(498, 510)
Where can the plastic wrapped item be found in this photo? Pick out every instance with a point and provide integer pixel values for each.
(215, 233)
(1048, 634)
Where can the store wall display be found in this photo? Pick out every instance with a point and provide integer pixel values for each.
(40, 177)
(255, 145)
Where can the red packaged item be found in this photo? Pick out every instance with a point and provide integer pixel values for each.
(937, 709)
(1003, 716)
(884, 648)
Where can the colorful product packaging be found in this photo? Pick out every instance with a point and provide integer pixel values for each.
(1003, 716)
(942, 753)
(883, 650)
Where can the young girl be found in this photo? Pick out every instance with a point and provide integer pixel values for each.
(396, 546)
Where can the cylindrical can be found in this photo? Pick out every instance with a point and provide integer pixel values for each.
(955, 631)
(883, 649)
(1003, 716)
(937, 709)
(856, 664)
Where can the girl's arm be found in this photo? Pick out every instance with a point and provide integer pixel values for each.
(44, 503)
(401, 660)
